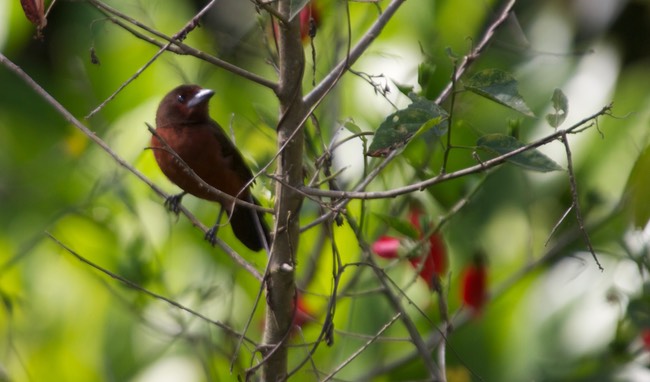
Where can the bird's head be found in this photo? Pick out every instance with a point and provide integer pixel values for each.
(185, 104)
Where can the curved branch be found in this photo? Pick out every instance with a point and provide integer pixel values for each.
(119, 160)
(177, 46)
(335, 74)
(419, 186)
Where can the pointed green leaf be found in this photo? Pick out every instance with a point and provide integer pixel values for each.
(500, 87)
(500, 144)
(561, 107)
(404, 89)
(402, 125)
(426, 71)
(400, 225)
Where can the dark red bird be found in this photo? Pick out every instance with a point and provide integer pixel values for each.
(184, 124)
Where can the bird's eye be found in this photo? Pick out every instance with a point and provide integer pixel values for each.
(181, 98)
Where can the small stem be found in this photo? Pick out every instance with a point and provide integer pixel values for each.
(574, 197)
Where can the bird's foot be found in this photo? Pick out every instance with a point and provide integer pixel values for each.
(173, 202)
(211, 235)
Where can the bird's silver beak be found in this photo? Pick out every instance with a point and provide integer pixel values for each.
(200, 97)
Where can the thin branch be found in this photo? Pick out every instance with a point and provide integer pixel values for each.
(119, 160)
(362, 348)
(478, 49)
(177, 46)
(461, 316)
(450, 120)
(481, 167)
(211, 189)
(181, 35)
(393, 299)
(335, 74)
(137, 287)
(576, 204)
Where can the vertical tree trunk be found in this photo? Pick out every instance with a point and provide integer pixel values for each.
(280, 283)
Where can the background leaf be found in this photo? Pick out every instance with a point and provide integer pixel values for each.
(500, 87)
(637, 190)
(400, 225)
(531, 160)
(561, 107)
(400, 126)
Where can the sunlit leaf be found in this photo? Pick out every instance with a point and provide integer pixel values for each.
(352, 127)
(500, 87)
(402, 125)
(500, 144)
(637, 190)
(560, 107)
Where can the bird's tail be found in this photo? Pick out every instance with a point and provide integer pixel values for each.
(249, 227)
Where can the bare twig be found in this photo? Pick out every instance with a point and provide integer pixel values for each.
(419, 186)
(137, 287)
(177, 47)
(576, 204)
(461, 317)
(362, 348)
(353, 55)
(181, 35)
(478, 49)
(119, 160)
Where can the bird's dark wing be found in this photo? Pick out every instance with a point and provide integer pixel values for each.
(230, 152)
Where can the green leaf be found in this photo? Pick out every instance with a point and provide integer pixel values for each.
(561, 107)
(425, 73)
(638, 309)
(500, 87)
(637, 190)
(400, 225)
(402, 125)
(500, 144)
(352, 127)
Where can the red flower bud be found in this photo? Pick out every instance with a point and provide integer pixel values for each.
(309, 21)
(302, 314)
(386, 247)
(474, 286)
(438, 254)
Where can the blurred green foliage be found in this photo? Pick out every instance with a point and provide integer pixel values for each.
(61, 319)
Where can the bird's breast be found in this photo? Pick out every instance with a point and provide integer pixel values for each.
(203, 153)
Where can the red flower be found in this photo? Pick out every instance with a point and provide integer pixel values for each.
(438, 254)
(435, 262)
(386, 247)
(309, 22)
(302, 314)
(474, 286)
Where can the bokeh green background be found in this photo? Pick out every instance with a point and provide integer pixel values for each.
(564, 320)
